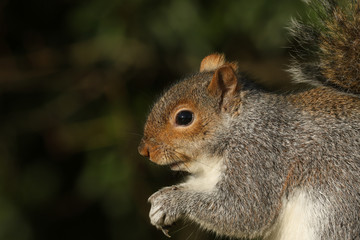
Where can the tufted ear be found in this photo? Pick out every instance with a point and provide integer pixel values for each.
(224, 82)
(214, 61)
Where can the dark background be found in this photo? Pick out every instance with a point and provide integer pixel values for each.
(77, 79)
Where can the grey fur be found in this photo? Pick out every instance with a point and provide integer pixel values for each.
(271, 146)
(325, 50)
(260, 147)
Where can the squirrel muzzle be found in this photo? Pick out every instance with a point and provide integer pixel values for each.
(148, 151)
(144, 149)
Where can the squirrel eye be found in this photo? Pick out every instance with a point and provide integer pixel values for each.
(184, 118)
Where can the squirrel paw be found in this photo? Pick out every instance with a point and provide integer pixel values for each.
(164, 211)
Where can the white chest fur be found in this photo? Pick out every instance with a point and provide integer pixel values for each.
(206, 174)
(301, 218)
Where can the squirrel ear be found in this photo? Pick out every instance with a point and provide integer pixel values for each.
(212, 62)
(224, 82)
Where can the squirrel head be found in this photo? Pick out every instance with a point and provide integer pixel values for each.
(190, 114)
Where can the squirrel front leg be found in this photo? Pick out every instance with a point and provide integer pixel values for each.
(164, 210)
(219, 210)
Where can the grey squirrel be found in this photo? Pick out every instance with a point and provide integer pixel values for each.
(261, 164)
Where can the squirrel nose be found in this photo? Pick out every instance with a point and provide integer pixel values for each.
(144, 149)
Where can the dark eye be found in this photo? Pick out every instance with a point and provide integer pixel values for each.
(184, 118)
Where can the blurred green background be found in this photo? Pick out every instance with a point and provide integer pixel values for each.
(77, 79)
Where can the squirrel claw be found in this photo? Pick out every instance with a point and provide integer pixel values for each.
(165, 232)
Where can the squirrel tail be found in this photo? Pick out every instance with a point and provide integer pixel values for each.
(327, 50)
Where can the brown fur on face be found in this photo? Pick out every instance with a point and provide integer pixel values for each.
(164, 138)
(169, 143)
(205, 94)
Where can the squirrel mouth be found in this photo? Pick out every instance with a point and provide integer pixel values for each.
(177, 166)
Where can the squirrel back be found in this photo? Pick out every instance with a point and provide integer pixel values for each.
(327, 50)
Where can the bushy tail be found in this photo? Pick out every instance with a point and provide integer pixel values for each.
(327, 50)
